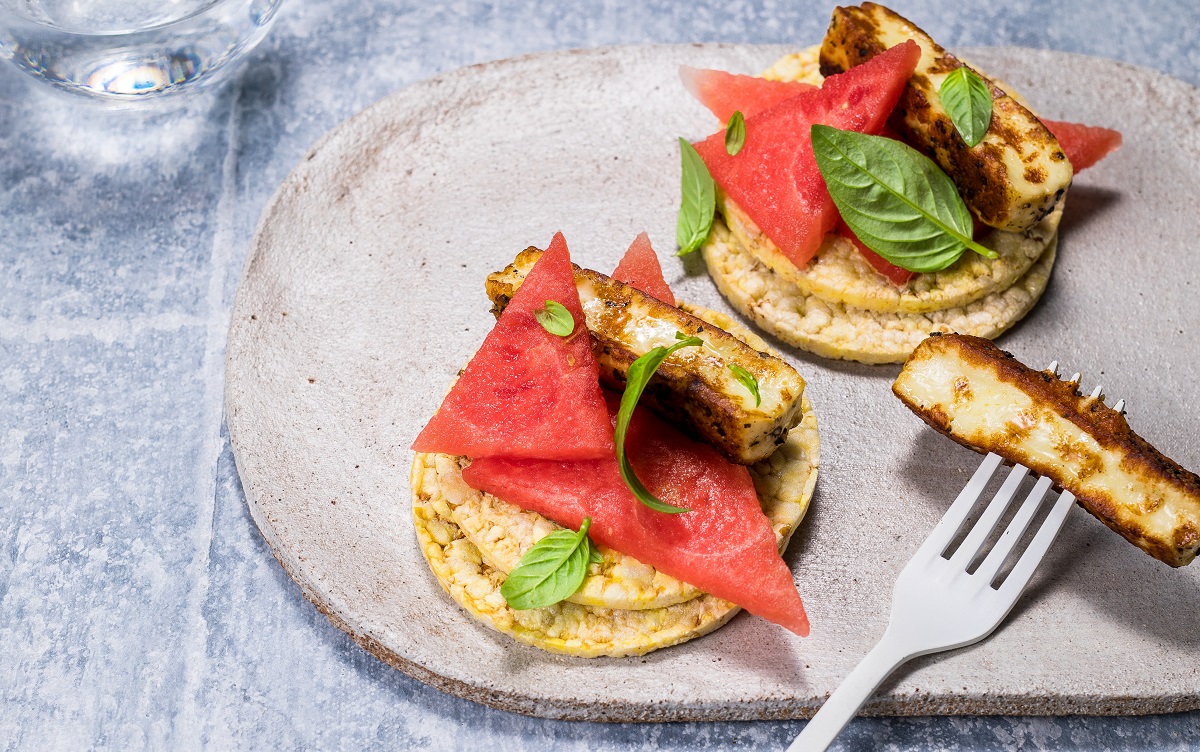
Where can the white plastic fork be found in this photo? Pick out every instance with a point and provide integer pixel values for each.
(937, 604)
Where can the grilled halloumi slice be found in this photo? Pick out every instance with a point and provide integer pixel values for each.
(1012, 178)
(981, 397)
(694, 388)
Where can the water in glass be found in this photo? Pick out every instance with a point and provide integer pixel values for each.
(131, 50)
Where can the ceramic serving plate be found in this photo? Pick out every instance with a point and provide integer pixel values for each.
(363, 296)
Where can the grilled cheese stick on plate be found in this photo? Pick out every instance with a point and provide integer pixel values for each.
(1012, 178)
(694, 388)
(983, 398)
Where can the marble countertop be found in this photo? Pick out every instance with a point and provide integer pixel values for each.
(139, 606)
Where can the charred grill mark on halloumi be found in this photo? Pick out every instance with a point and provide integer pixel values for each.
(1013, 178)
(983, 398)
(694, 388)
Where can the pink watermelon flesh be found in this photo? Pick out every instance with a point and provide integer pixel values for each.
(725, 93)
(774, 178)
(639, 268)
(1084, 145)
(724, 545)
(527, 392)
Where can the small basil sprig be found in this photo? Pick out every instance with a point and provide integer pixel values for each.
(698, 200)
(895, 199)
(552, 570)
(556, 319)
(968, 102)
(735, 133)
(635, 383)
(747, 380)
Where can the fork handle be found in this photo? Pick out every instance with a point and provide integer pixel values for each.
(851, 694)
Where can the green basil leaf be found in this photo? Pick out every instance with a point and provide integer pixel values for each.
(556, 319)
(551, 571)
(735, 133)
(895, 199)
(747, 380)
(968, 102)
(635, 383)
(697, 203)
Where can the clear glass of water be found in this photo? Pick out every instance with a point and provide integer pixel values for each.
(128, 51)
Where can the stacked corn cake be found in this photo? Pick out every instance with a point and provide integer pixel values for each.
(838, 306)
(473, 539)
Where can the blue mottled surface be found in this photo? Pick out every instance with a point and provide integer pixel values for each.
(139, 607)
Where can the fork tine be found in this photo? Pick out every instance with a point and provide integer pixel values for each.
(987, 521)
(954, 517)
(1029, 560)
(999, 553)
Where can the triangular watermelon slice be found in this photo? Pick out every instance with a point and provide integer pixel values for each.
(724, 545)
(1084, 145)
(725, 93)
(639, 268)
(527, 392)
(774, 178)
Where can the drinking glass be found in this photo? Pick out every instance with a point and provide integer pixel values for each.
(131, 50)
